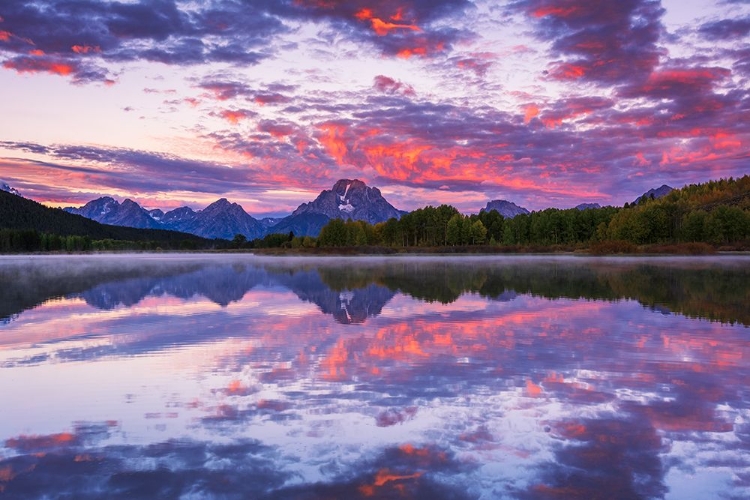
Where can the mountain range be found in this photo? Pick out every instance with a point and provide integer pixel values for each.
(21, 214)
(347, 199)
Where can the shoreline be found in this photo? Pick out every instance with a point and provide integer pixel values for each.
(369, 252)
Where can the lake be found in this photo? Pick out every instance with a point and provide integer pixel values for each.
(238, 376)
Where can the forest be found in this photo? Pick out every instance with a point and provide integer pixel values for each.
(715, 213)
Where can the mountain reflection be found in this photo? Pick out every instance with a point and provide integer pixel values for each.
(351, 291)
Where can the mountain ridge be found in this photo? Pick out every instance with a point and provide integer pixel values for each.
(505, 208)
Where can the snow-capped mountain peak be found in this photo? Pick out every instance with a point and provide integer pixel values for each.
(8, 189)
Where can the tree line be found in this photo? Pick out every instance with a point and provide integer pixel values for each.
(715, 213)
(30, 240)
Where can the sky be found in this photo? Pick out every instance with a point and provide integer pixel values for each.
(546, 103)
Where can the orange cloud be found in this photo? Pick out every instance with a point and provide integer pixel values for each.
(533, 389)
(5, 36)
(33, 65)
(85, 49)
(364, 14)
(234, 116)
(568, 71)
(725, 140)
(408, 53)
(332, 139)
(383, 478)
(530, 112)
(26, 443)
(557, 11)
(382, 28)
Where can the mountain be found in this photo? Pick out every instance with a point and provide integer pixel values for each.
(348, 200)
(108, 211)
(20, 213)
(658, 193)
(308, 224)
(505, 208)
(270, 221)
(351, 199)
(221, 219)
(156, 214)
(588, 206)
(177, 216)
(5, 187)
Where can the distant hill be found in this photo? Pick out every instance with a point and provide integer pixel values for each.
(505, 208)
(659, 192)
(588, 206)
(23, 214)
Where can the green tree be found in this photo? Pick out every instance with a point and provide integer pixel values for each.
(478, 233)
(333, 234)
(239, 241)
(453, 230)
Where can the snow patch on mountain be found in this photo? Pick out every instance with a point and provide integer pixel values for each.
(346, 207)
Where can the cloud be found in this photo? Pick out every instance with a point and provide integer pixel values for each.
(571, 108)
(608, 457)
(478, 63)
(234, 116)
(726, 29)
(164, 469)
(413, 28)
(125, 172)
(81, 72)
(677, 83)
(225, 90)
(388, 85)
(602, 42)
(391, 137)
(162, 31)
(174, 32)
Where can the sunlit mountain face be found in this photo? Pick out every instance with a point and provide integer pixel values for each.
(242, 376)
(543, 103)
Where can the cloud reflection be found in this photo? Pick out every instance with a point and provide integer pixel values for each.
(524, 378)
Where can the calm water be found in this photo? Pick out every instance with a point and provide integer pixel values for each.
(247, 377)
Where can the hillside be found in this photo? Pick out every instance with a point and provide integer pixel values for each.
(716, 212)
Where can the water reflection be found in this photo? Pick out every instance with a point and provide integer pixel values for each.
(354, 292)
(245, 377)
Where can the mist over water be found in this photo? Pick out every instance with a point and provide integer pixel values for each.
(237, 376)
